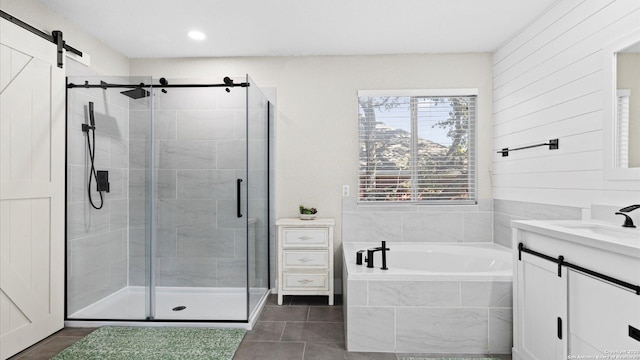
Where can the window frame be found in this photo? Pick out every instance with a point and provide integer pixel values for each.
(473, 148)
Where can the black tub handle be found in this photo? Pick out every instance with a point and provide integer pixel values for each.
(238, 197)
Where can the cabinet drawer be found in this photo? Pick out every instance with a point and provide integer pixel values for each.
(312, 259)
(596, 322)
(306, 237)
(298, 281)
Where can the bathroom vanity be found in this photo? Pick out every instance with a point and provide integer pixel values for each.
(576, 290)
(305, 257)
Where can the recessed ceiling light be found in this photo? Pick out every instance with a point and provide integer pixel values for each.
(196, 35)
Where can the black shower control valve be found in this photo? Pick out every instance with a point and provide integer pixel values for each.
(86, 128)
(102, 180)
(359, 257)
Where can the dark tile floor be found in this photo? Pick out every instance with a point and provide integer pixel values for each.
(54, 344)
(304, 328)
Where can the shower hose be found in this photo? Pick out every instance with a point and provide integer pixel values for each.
(92, 153)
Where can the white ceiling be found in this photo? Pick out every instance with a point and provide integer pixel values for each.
(158, 28)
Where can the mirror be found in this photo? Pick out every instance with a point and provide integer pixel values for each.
(628, 107)
(621, 121)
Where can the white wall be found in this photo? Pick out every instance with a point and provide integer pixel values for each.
(104, 60)
(316, 149)
(548, 83)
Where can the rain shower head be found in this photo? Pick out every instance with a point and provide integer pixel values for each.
(136, 93)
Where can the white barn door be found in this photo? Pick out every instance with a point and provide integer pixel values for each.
(32, 152)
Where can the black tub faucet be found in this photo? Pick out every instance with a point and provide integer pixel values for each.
(371, 251)
(628, 222)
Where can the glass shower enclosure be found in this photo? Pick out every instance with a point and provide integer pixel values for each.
(167, 199)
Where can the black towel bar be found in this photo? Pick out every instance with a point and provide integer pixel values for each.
(561, 262)
(553, 145)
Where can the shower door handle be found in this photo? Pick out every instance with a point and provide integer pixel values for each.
(238, 197)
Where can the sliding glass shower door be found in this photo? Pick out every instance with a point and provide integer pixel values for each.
(258, 113)
(109, 231)
(193, 213)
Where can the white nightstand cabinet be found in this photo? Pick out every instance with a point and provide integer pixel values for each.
(305, 257)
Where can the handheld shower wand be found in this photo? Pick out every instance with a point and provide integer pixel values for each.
(92, 152)
(92, 117)
(92, 121)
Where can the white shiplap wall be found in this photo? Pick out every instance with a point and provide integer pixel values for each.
(548, 83)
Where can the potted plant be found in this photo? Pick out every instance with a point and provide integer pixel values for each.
(307, 213)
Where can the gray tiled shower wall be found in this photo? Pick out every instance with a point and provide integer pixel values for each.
(199, 153)
(96, 239)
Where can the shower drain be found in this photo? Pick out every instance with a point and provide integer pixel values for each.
(179, 308)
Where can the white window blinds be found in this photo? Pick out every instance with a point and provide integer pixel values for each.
(622, 130)
(417, 148)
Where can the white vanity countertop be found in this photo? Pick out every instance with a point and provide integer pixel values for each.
(608, 237)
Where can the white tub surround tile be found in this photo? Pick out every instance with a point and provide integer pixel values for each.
(500, 330)
(414, 293)
(443, 330)
(417, 223)
(371, 329)
(506, 211)
(487, 293)
(432, 227)
(477, 226)
(357, 292)
(371, 226)
(429, 311)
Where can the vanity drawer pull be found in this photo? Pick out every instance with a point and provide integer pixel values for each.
(310, 237)
(317, 281)
(307, 259)
(634, 333)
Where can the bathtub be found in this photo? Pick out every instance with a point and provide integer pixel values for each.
(434, 298)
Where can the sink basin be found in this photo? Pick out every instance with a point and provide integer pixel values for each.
(601, 230)
(605, 236)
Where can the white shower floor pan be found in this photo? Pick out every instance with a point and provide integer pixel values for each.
(128, 306)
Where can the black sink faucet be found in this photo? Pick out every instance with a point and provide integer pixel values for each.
(628, 222)
(370, 252)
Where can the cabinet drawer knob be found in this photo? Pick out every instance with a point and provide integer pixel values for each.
(305, 238)
(304, 260)
(305, 281)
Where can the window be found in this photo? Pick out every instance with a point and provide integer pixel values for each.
(417, 146)
(622, 130)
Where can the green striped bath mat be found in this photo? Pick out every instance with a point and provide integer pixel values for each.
(151, 343)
